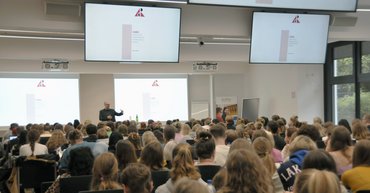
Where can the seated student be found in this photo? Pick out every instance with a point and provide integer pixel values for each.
(105, 173)
(298, 149)
(113, 139)
(358, 178)
(76, 140)
(276, 154)
(186, 185)
(169, 133)
(246, 173)
(182, 166)
(81, 162)
(136, 178)
(314, 181)
(33, 148)
(152, 156)
(340, 147)
(274, 128)
(288, 138)
(56, 141)
(218, 132)
(91, 131)
(125, 154)
(148, 137)
(205, 149)
(102, 136)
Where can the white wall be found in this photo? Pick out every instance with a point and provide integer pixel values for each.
(287, 90)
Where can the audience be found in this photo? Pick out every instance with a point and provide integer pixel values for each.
(33, 148)
(222, 150)
(359, 132)
(315, 181)
(205, 149)
(169, 136)
(125, 154)
(274, 128)
(56, 141)
(113, 139)
(152, 156)
(105, 173)
(91, 131)
(186, 185)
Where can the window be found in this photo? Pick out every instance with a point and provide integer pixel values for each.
(347, 81)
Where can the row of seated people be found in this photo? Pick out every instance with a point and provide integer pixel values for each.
(301, 142)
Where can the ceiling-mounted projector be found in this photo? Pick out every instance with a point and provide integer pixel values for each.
(55, 65)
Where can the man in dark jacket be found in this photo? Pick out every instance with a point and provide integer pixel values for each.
(108, 114)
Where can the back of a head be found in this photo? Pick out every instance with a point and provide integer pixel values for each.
(259, 133)
(135, 139)
(132, 129)
(102, 133)
(275, 117)
(91, 129)
(359, 131)
(169, 132)
(340, 138)
(74, 136)
(345, 123)
(136, 178)
(81, 161)
(218, 131)
(182, 163)
(114, 138)
(152, 155)
(302, 142)
(246, 173)
(366, 118)
(263, 148)
(317, 120)
(231, 135)
(240, 144)
(186, 185)
(147, 137)
(33, 136)
(123, 129)
(361, 153)
(273, 126)
(205, 146)
(310, 131)
(314, 181)
(319, 159)
(125, 153)
(105, 172)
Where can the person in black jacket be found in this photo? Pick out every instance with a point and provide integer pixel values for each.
(108, 114)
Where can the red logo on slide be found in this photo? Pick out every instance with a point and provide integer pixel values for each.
(139, 13)
(296, 19)
(41, 84)
(155, 83)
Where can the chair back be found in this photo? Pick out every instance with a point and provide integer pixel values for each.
(159, 178)
(207, 172)
(45, 186)
(32, 172)
(103, 191)
(363, 191)
(75, 184)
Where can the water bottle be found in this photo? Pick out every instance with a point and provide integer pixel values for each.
(137, 119)
(211, 188)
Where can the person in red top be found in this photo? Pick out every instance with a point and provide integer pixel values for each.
(219, 114)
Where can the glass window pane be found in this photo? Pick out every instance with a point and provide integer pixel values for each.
(343, 60)
(344, 102)
(364, 98)
(365, 57)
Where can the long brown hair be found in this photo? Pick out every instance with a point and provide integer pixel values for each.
(125, 153)
(33, 136)
(263, 147)
(152, 156)
(105, 173)
(340, 140)
(56, 140)
(361, 153)
(246, 174)
(313, 181)
(182, 164)
(137, 178)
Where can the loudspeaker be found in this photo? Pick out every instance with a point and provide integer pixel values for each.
(341, 21)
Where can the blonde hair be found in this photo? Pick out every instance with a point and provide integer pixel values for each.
(185, 129)
(105, 173)
(301, 142)
(314, 181)
(148, 137)
(182, 164)
(359, 131)
(263, 148)
(56, 140)
(246, 174)
(186, 185)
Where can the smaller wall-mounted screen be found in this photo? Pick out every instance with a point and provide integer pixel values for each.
(131, 33)
(289, 38)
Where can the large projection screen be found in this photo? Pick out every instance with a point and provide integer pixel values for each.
(39, 100)
(324, 5)
(159, 98)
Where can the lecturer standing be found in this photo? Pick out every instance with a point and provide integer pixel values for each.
(108, 114)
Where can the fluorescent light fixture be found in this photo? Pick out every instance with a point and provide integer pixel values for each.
(363, 10)
(226, 43)
(41, 38)
(42, 32)
(164, 1)
(232, 39)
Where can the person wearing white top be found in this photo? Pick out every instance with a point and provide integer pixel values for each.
(222, 150)
(33, 148)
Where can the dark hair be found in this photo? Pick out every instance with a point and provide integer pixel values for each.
(361, 153)
(76, 123)
(159, 135)
(22, 137)
(137, 178)
(275, 117)
(91, 129)
(58, 126)
(110, 124)
(81, 161)
(231, 135)
(274, 127)
(32, 137)
(13, 126)
(205, 146)
(218, 130)
(113, 139)
(344, 123)
(131, 129)
(152, 156)
(169, 132)
(310, 131)
(289, 131)
(168, 122)
(215, 121)
(266, 121)
(319, 159)
(125, 153)
(74, 135)
(340, 139)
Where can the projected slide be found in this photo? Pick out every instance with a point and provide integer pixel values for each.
(131, 33)
(38, 100)
(150, 98)
(336, 5)
(289, 38)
